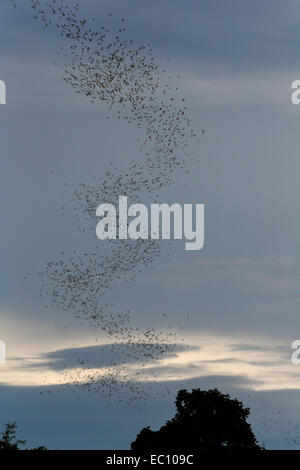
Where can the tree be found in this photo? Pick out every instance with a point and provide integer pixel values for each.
(204, 421)
(8, 439)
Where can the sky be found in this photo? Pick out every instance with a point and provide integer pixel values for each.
(236, 302)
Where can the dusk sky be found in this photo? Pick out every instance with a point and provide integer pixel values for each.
(236, 302)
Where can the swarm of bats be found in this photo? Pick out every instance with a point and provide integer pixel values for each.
(109, 68)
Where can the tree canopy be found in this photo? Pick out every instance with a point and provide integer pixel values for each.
(204, 421)
(8, 439)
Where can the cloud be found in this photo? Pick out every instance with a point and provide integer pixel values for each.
(277, 275)
(250, 90)
(256, 347)
(105, 355)
(264, 363)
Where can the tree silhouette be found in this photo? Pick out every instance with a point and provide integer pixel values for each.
(204, 421)
(8, 439)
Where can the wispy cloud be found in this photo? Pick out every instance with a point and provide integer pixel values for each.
(261, 364)
(223, 89)
(278, 275)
